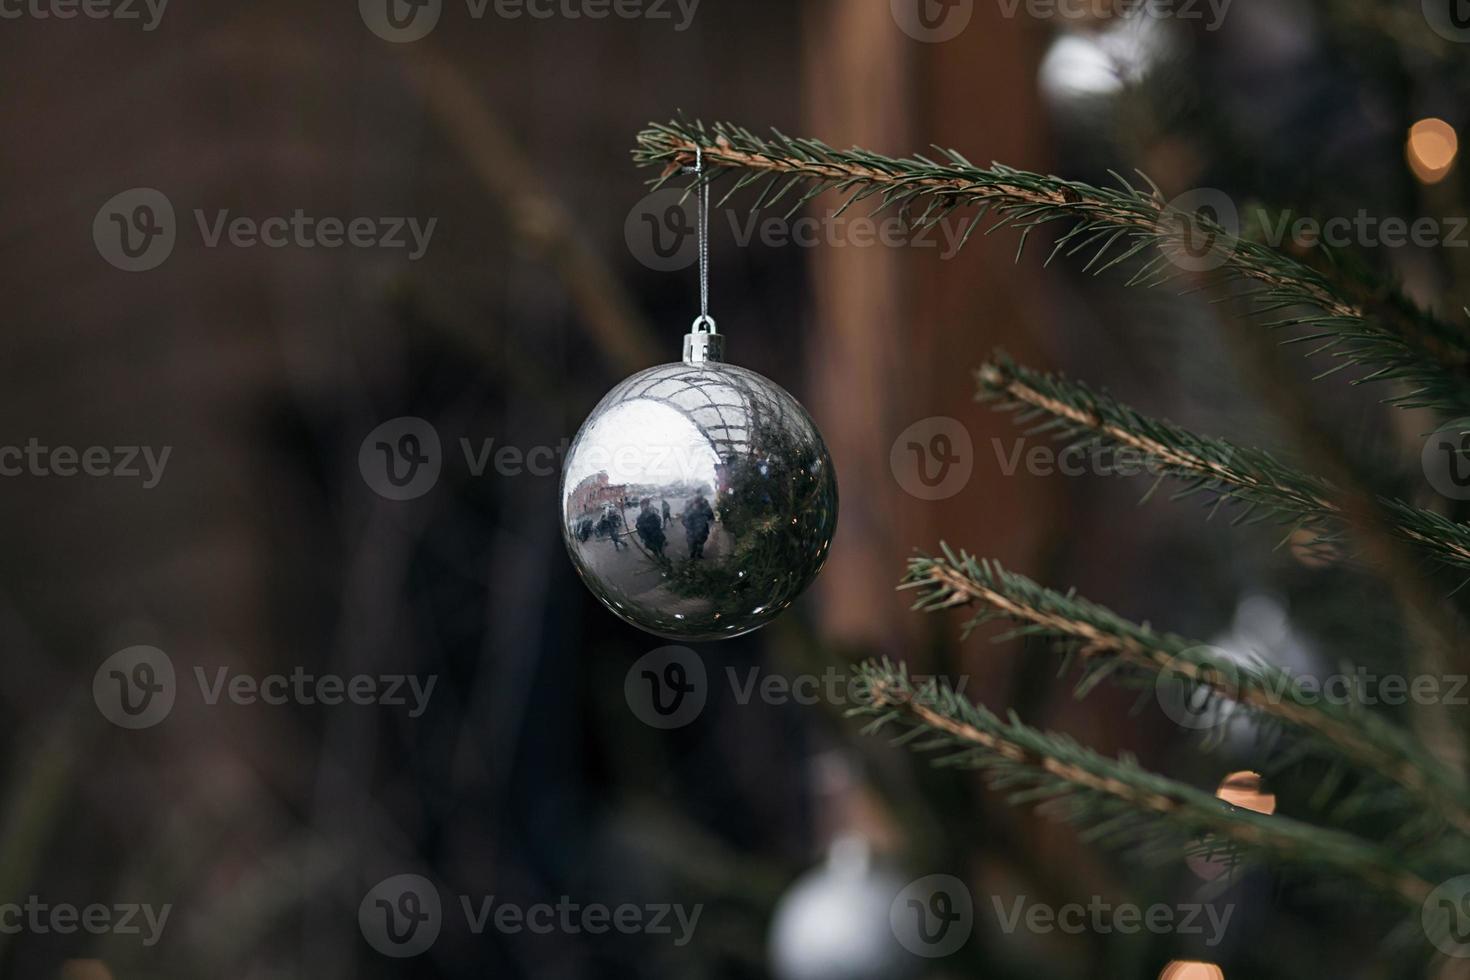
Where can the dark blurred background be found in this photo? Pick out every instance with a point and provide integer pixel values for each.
(262, 549)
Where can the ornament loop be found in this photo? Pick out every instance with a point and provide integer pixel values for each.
(704, 343)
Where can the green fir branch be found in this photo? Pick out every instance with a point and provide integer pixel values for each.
(1120, 803)
(1262, 486)
(1429, 359)
(1108, 643)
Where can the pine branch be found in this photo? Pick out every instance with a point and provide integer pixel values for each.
(1106, 643)
(1265, 487)
(1121, 803)
(1430, 359)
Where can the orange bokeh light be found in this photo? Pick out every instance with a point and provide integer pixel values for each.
(1432, 148)
(1243, 789)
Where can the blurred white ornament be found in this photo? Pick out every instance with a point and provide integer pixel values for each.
(833, 923)
(1083, 66)
(1262, 630)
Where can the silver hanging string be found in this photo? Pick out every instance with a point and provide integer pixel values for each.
(704, 319)
(703, 344)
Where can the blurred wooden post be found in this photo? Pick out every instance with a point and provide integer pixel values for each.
(899, 331)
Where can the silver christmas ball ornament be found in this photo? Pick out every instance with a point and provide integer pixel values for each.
(698, 499)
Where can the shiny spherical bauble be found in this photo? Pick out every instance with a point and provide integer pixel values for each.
(698, 500)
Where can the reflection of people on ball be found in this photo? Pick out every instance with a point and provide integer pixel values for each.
(609, 525)
(667, 516)
(698, 516)
(650, 527)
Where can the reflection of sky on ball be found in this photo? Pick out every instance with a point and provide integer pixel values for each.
(643, 442)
